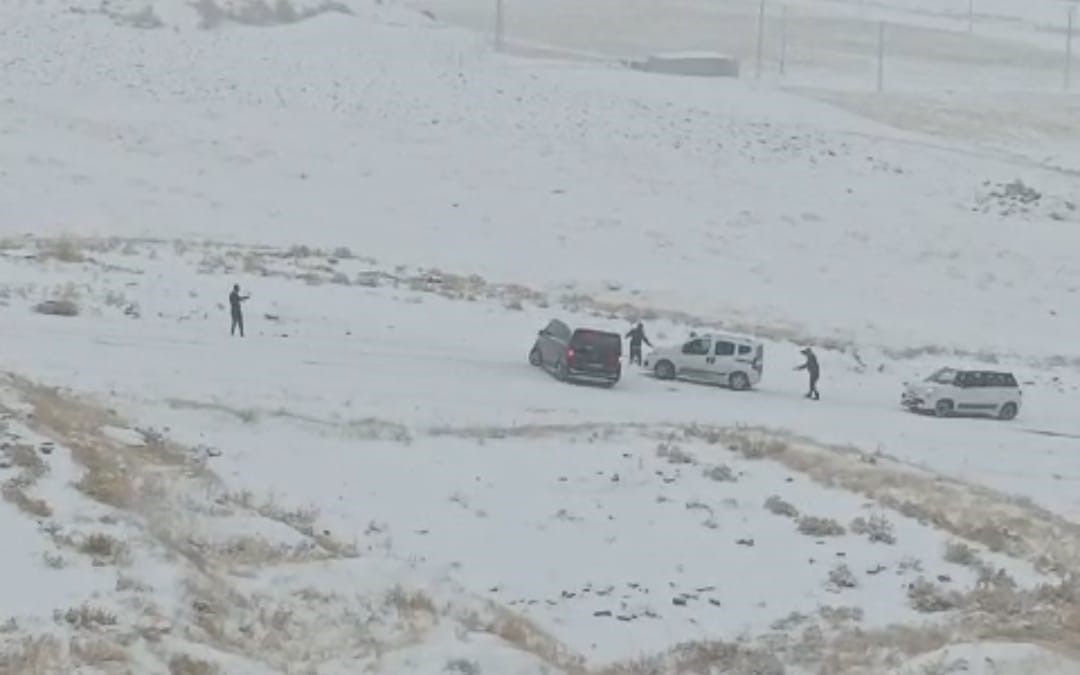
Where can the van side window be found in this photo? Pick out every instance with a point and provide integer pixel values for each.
(725, 348)
(744, 349)
(698, 347)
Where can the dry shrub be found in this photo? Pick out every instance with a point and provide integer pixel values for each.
(106, 483)
(86, 616)
(674, 454)
(96, 652)
(65, 308)
(103, 548)
(64, 249)
(778, 506)
(250, 550)
(40, 655)
(13, 492)
(182, 664)
(342, 253)
(841, 577)
(410, 603)
(959, 553)
(878, 529)
(820, 527)
(720, 473)
(925, 596)
(25, 457)
(125, 583)
(704, 657)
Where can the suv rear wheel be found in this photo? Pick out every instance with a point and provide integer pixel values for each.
(1008, 412)
(943, 408)
(535, 357)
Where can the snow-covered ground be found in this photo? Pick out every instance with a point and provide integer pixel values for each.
(374, 480)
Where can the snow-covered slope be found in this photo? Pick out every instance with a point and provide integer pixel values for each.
(374, 480)
(414, 144)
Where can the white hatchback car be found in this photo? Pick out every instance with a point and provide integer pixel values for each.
(714, 358)
(951, 392)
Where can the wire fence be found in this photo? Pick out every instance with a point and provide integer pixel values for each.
(997, 45)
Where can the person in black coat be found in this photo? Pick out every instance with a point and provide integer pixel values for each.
(637, 336)
(235, 299)
(814, 370)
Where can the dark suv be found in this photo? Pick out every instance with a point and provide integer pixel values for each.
(583, 354)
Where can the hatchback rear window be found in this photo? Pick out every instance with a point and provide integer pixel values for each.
(595, 338)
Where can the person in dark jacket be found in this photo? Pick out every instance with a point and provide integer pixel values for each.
(237, 313)
(637, 336)
(814, 370)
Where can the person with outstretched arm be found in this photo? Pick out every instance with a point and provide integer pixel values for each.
(235, 299)
(637, 336)
(814, 370)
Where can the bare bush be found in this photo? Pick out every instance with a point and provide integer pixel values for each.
(959, 553)
(103, 548)
(39, 654)
(66, 308)
(182, 664)
(841, 577)
(462, 667)
(64, 249)
(820, 527)
(86, 616)
(877, 529)
(13, 491)
(925, 596)
(410, 603)
(779, 507)
(96, 652)
(674, 454)
(343, 253)
(720, 473)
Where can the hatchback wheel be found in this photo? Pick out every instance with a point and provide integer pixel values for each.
(665, 370)
(943, 408)
(739, 381)
(1008, 412)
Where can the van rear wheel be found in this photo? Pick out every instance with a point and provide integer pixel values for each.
(739, 381)
(665, 370)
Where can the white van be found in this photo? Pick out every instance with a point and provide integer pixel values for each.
(714, 358)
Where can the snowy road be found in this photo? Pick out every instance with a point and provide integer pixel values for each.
(423, 362)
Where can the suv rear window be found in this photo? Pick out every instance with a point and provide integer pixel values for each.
(1000, 380)
(595, 338)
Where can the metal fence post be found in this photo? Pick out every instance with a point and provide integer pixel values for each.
(499, 25)
(783, 39)
(881, 57)
(1068, 47)
(760, 38)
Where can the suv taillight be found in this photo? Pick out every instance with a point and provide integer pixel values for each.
(570, 353)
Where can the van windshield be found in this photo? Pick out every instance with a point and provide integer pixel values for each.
(943, 376)
(608, 342)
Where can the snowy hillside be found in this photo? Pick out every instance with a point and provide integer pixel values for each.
(375, 480)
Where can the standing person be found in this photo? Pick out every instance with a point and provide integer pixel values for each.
(237, 313)
(814, 370)
(637, 336)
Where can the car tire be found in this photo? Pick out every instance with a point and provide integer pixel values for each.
(739, 382)
(943, 408)
(562, 373)
(536, 358)
(665, 370)
(1008, 412)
